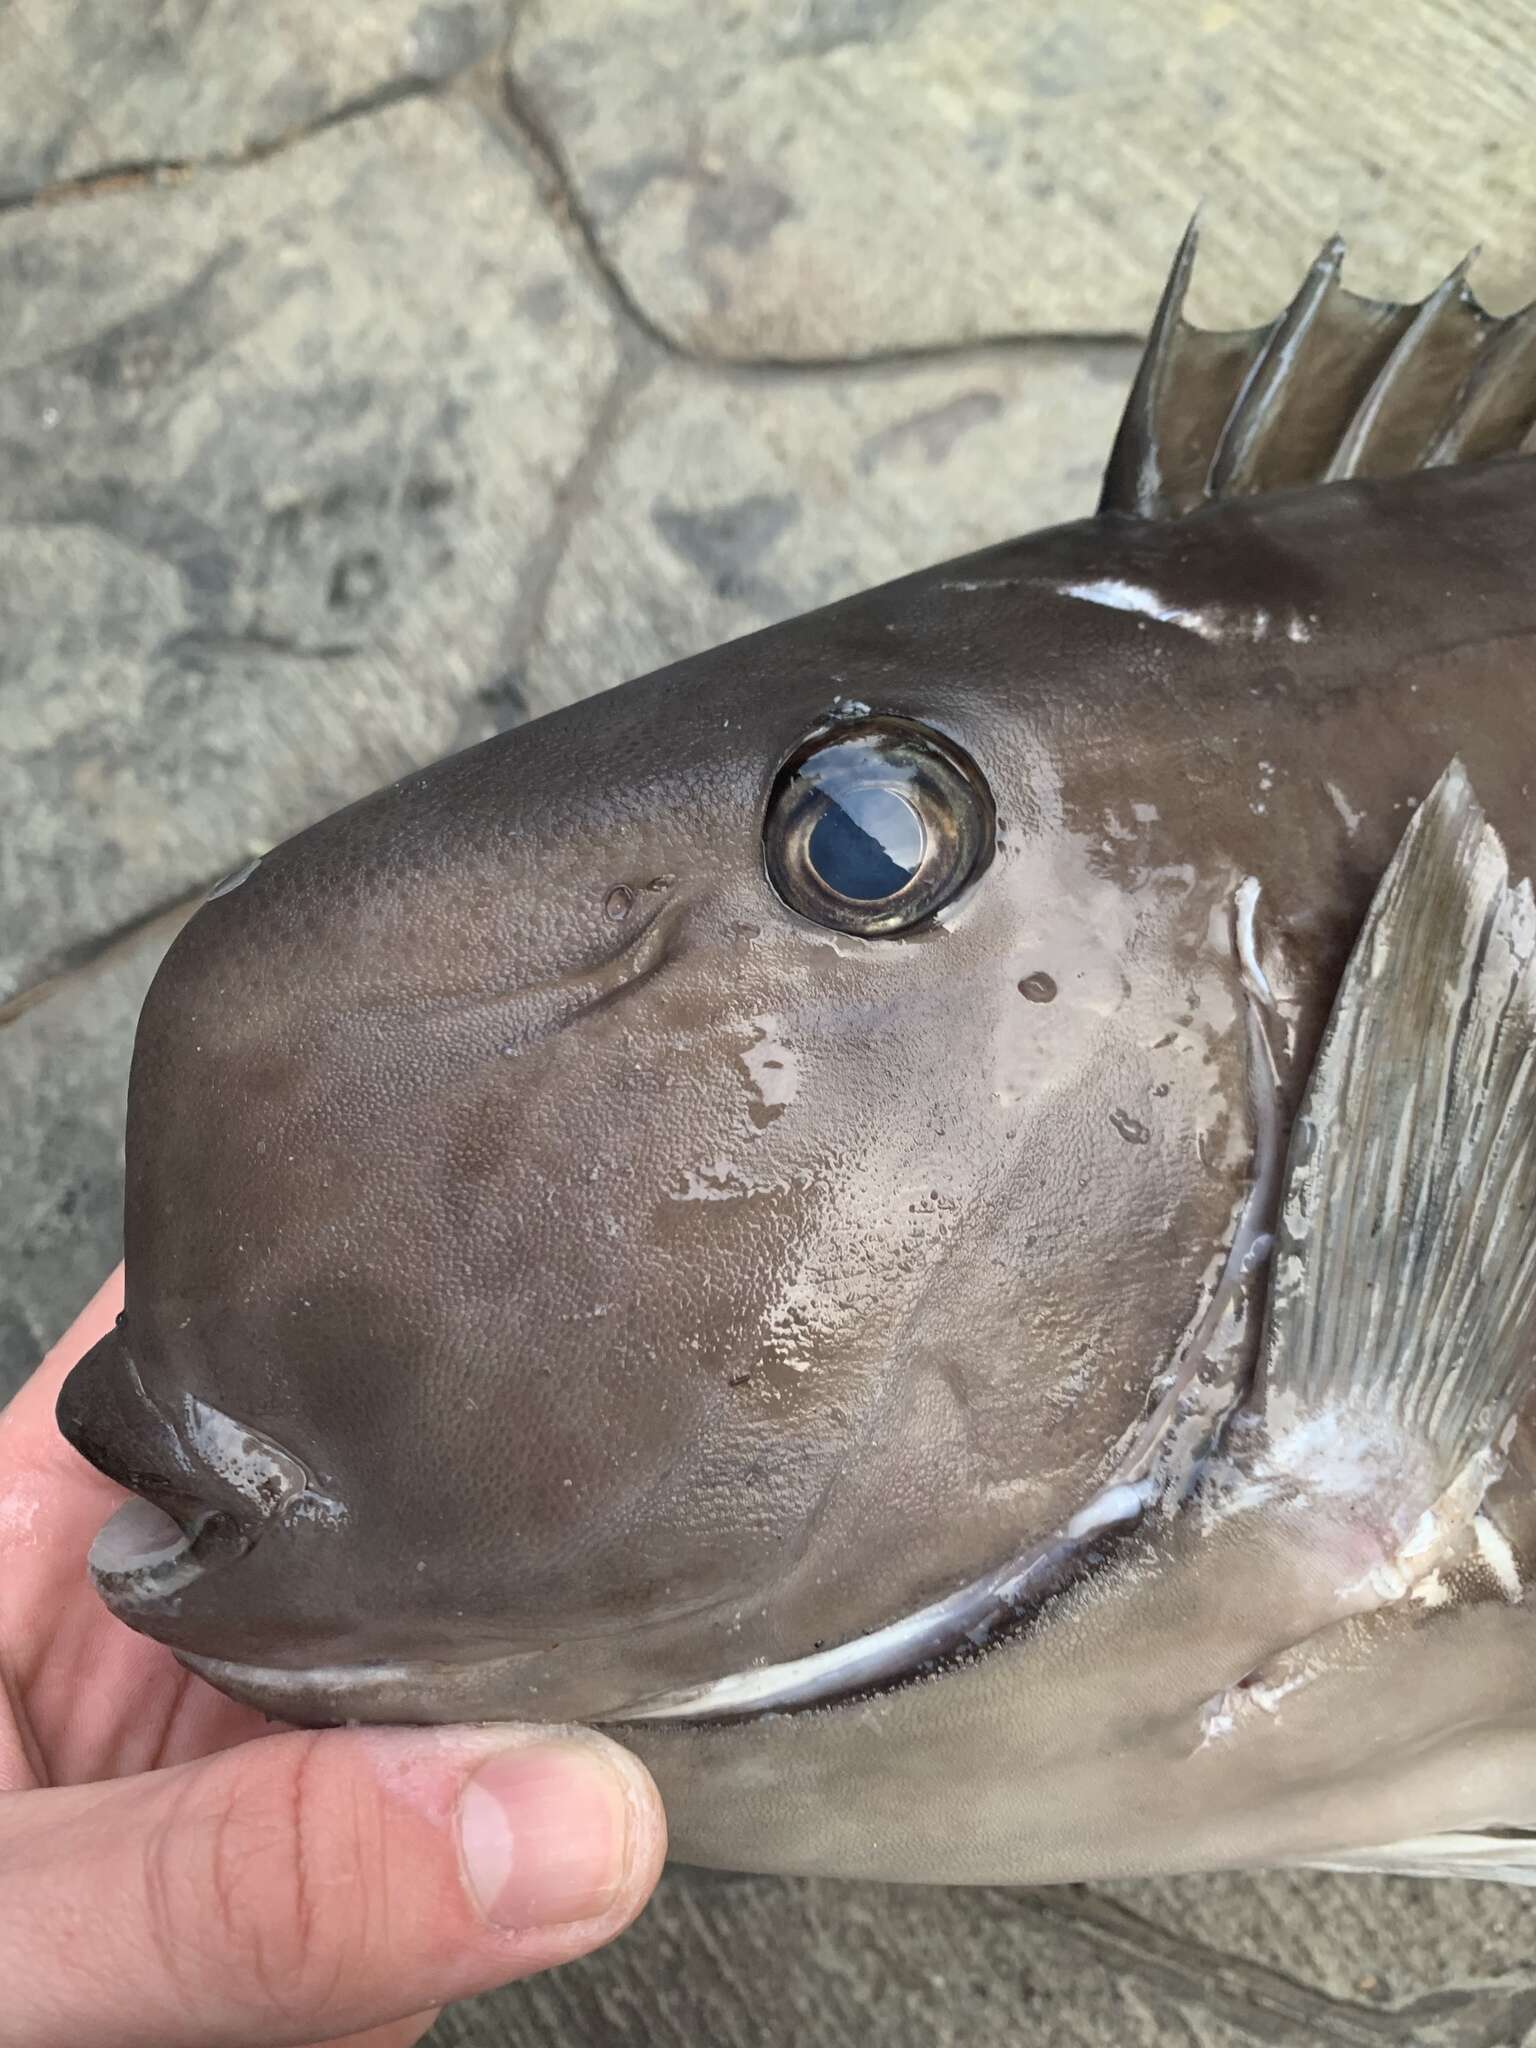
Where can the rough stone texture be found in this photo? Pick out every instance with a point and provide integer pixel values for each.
(1389, 1941)
(87, 85)
(761, 1963)
(63, 1084)
(1216, 1962)
(729, 501)
(318, 464)
(840, 177)
(279, 451)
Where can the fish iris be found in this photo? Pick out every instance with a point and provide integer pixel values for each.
(874, 827)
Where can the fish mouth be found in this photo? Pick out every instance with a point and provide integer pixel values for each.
(205, 1487)
(143, 1557)
(1186, 1420)
(180, 1522)
(1158, 1467)
(142, 1561)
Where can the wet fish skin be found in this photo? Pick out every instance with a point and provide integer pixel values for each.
(352, 1213)
(561, 1276)
(1323, 1651)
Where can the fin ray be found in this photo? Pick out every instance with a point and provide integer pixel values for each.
(1338, 386)
(1399, 419)
(1507, 1858)
(1404, 1282)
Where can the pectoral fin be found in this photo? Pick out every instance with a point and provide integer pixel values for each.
(1400, 1341)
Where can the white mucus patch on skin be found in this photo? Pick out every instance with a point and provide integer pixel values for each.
(1118, 596)
(1222, 1716)
(1113, 1508)
(1343, 1453)
(1494, 1549)
(1212, 622)
(1347, 812)
(773, 1069)
(269, 1477)
(1245, 903)
(720, 1181)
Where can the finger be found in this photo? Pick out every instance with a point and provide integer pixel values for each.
(52, 1503)
(306, 1886)
(32, 1406)
(399, 2034)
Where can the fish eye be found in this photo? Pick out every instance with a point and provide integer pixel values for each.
(872, 828)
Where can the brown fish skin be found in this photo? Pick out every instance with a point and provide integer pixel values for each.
(627, 1370)
(1199, 1702)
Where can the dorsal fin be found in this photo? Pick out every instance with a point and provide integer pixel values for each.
(1337, 386)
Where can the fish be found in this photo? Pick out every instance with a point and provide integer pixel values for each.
(927, 1215)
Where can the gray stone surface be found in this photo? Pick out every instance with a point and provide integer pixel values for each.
(88, 85)
(1305, 1961)
(1393, 1943)
(319, 463)
(724, 502)
(279, 452)
(832, 177)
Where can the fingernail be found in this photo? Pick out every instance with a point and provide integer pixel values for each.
(544, 1834)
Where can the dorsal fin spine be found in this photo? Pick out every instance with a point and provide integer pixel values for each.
(1136, 452)
(1257, 411)
(1355, 445)
(1339, 386)
(1496, 404)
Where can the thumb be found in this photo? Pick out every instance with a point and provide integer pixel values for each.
(308, 1885)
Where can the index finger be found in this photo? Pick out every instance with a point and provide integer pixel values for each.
(33, 1406)
(52, 1503)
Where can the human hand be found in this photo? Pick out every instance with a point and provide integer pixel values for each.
(175, 1869)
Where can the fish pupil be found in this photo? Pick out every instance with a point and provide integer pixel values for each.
(867, 844)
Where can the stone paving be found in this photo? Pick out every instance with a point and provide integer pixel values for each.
(374, 377)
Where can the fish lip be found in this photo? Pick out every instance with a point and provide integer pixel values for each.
(287, 1690)
(143, 1558)
(205, 1487)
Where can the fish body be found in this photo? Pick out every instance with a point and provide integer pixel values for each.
(583, 1264)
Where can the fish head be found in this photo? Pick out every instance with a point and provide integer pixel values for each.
(680, 1183)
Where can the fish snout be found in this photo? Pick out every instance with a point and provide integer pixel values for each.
(203, 1488)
